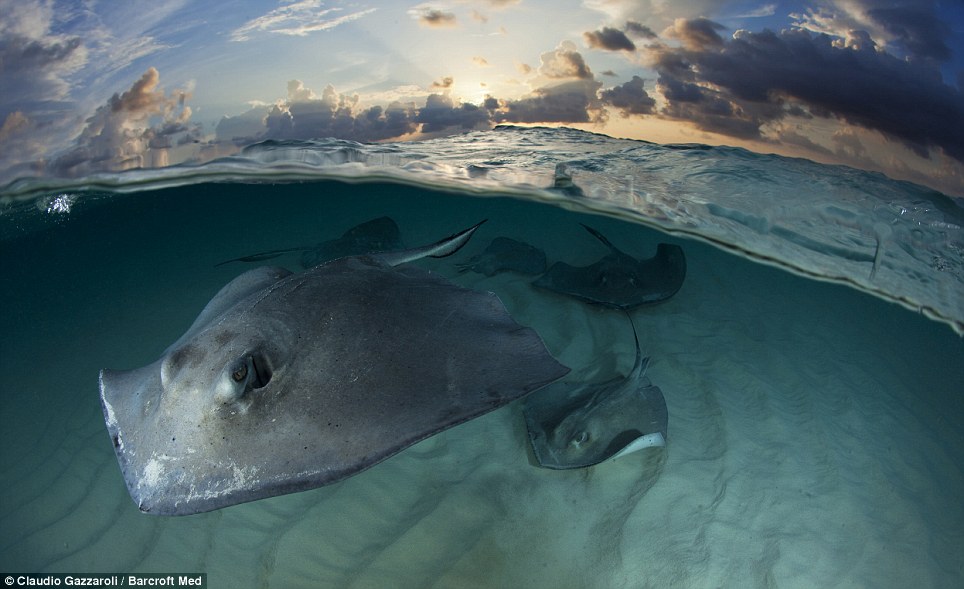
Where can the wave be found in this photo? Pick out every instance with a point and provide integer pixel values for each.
(896, 240)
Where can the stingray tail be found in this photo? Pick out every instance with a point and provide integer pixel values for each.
(641, 363)
(599, 236)
(439, 249)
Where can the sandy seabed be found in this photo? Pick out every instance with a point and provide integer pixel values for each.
(815, 437)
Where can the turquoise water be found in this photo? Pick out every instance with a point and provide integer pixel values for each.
(813, 437)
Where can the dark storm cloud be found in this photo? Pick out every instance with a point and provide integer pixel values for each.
(609, 39)
(916, 28)
(570, 102)
(908, 28)
(630, 98)
(738, 85)
(441, 113)
(712, 111)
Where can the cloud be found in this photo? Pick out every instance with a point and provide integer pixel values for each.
(916, 28)
(697, 35)
(907, 28)
(442, 114)
(790, 136)
(304, 115)
(848, 144)
(637, 29)
(297, 19)
(569, 93)
(738, 85)
(38, 69)
(570, 102)
(429, 16)
(655, 15)
(760, 12)
(122, 133)
(13, 124)
(609, 39)
(564, 62)
(630, 98)
(481, 61)
(35, 64)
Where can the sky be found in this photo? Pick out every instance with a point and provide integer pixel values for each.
(93, 85)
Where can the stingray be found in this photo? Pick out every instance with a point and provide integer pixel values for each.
(505, 254)
(619, 280)
(575, 425)
(376, 235)
(286, 382)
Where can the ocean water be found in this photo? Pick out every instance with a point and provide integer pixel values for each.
(812, 366)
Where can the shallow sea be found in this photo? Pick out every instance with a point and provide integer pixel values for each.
(815, 437)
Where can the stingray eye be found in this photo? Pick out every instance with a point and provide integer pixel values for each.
(580, 439)
(240, 373)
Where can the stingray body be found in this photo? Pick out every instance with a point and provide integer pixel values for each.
(286, 382)
(575, 425)
(504, 254)
(374, 236)
(619, 280)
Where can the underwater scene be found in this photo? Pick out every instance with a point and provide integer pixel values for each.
(710, 390)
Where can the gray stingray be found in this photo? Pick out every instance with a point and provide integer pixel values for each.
(505, 254)
(619, 280)
(287, 382)
(376, 235)
(574, 424)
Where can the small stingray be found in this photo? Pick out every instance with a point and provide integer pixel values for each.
(505, 254)
(377, 235)
(286, 382)
(619, 280)
(575, 425)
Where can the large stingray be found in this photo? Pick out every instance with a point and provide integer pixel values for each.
(286, 382)
(619, 280)
(575, 424)
(504, 254)
(376, 235)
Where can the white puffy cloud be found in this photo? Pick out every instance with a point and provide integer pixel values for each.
(133, 129)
